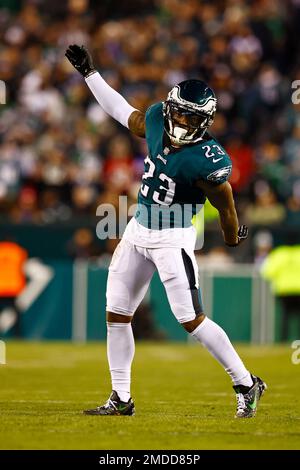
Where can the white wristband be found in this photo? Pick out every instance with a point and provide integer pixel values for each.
(109, 99)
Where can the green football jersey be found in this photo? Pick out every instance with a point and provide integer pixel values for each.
(168, 197)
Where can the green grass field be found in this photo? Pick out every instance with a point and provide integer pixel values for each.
(183, 399)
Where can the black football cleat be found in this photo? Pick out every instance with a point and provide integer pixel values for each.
(248, 398)
(113, 406)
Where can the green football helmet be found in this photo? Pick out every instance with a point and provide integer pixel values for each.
(188, 111)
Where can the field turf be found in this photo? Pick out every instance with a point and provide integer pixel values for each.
(183, 399)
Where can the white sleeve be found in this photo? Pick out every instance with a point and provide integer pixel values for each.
(109, 99)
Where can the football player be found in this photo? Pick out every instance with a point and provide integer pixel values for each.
(185, 165)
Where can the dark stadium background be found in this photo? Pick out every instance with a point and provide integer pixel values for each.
(61, 156)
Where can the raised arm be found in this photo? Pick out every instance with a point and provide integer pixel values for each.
(109, 99)
(221, 198)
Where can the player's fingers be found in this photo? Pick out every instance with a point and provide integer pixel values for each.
(243, 231)
(73, 55)
(75, 48)
(70, 56)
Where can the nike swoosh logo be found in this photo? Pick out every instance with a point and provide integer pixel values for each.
(122, 407)
(215, 160)
(253, 405)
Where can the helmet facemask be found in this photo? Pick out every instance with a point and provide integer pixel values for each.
(186, 122)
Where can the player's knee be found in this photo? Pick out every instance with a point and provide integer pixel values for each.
(191, 325)
(117, 318)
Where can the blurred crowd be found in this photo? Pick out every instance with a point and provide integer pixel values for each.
(61, 155)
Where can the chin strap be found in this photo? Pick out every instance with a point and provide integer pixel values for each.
(179, 132)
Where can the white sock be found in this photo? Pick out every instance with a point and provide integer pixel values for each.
(120, 352)
(216, 341)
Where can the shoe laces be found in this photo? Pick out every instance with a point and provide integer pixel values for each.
(240, 398)
(110, 404)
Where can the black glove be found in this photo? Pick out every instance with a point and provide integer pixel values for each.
(80, 59)
(243, 232)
